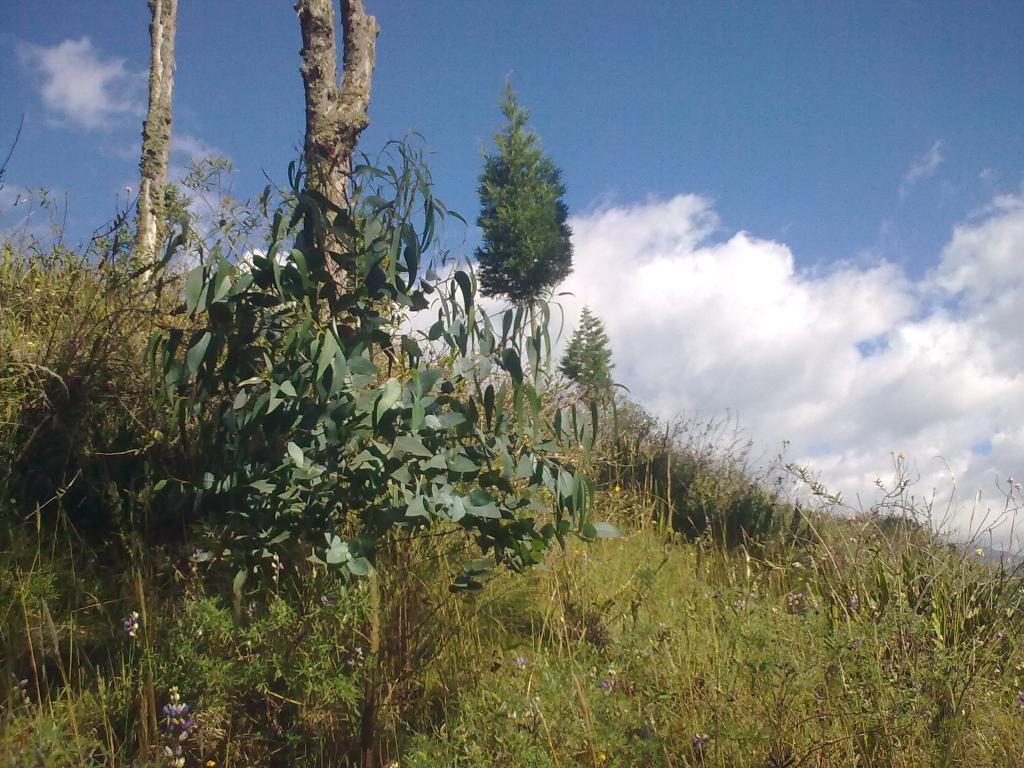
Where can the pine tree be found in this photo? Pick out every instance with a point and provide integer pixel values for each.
(526, 245)
(588, 357)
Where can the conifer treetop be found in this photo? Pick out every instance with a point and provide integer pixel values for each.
(526, 248)
(587, 360)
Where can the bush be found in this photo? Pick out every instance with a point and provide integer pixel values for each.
(691, 477)
(77, 416)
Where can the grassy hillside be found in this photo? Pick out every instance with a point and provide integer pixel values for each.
(855, 647)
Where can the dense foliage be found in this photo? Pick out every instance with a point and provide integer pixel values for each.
(323, 416)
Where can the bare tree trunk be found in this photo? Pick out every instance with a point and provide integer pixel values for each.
(156, 131)
(335, 116)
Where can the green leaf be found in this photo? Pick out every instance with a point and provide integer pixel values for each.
(467, 291)
(362, 366)
(193, 288)
(337, 552)
(239, 581)
(449, 420)
(411, 444)
(359, 566)
(462, 464)
(263, 486)
(510, 362)
(222, 281)
(195, 355)
(418, 414)
(427, 378)
(390, 394)
(525, 467)
(489, 405)
(416, 508)
(327, 351)
(487, 511)
(296, 453)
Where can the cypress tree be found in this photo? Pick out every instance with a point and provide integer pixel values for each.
(588, 357)
(526, 246)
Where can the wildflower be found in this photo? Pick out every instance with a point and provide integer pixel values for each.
(618, 488)
(979, 552)
(739, 605)
(1020, 699)
(131, 624)
(607, 685)
(795, 602)
(854, 603)
(602, 757)
(521, 662)
(23, 690)
(199, 556)
(178, 725)
(700, 742)
(357, 657)
(211, 764)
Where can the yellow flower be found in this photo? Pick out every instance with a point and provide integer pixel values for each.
(602, 757)
(618, 487)
(211, 764)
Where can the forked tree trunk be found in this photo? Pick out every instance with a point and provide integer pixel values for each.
(156, 132)
(335, 115)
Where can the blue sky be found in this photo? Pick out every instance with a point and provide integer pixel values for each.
(809, 214)
(799, 119)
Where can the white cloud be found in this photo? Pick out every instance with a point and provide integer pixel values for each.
(193, 148)
(80, 86)
(924, 167)
(849, 365)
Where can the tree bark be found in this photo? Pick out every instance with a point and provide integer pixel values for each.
(156, 132)
(335, 116)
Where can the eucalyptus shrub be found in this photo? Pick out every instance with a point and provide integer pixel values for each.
(323, 411)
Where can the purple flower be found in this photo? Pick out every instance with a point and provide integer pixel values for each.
(178, 725)
(854, 603)
(131, 624)
(700, 742)
(521, 662)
